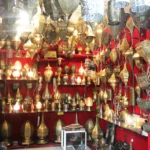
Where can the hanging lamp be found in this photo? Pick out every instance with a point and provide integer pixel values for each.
(92, 11)
(121, 3)
(139, 6)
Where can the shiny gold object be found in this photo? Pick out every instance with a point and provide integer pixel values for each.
(46, 105)
(87, 50)
(132, 96)
(117, 70)
(95, 96)
(27, 131)
(96, 132)
(19, 96)
(113, 55)
(124, 75)
(103, 76)
(59, 70)
(16, 42)
(31, 48)
(8, 72)
(46, 94)
(138, 91)
(73, 69)
(130, 25)
(108, 113)
(124, 45)
(10, 108)
(109, 94)
(2, 43)
(3, 105)
(81, 105)
(89, 125)
(37, 39)
(25, 106)
(39, 22)
(58, 128)
(101, 93)
(48, 73)
(89, 103)
(113, 81)
(10, 99)
(6, 132)
(129, 55)
(74, 104)
(50, 54)
(42, 132)
(124, 114)
(105, 96)
(79, 49)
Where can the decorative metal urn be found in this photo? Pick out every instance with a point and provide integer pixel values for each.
(89, 125)
(6, 132)
(58, 127)
(27, 131)
(42, 132)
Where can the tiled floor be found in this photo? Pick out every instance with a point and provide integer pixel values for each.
(47, 148)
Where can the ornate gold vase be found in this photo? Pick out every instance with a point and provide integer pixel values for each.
(58, 127)
(89, 125)
(42, 132)
(6, 132)
(46, 94)
(96, 132)
(48, 73)
(27, 131)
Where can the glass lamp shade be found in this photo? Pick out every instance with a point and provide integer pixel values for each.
(121, 3)
(140, 5)
(92, 11)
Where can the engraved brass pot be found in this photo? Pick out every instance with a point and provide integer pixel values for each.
(27, 131)
(58, 127)
(89, 125)
(48, 73)
(6, 132)
(96, 132)
(42, 132)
